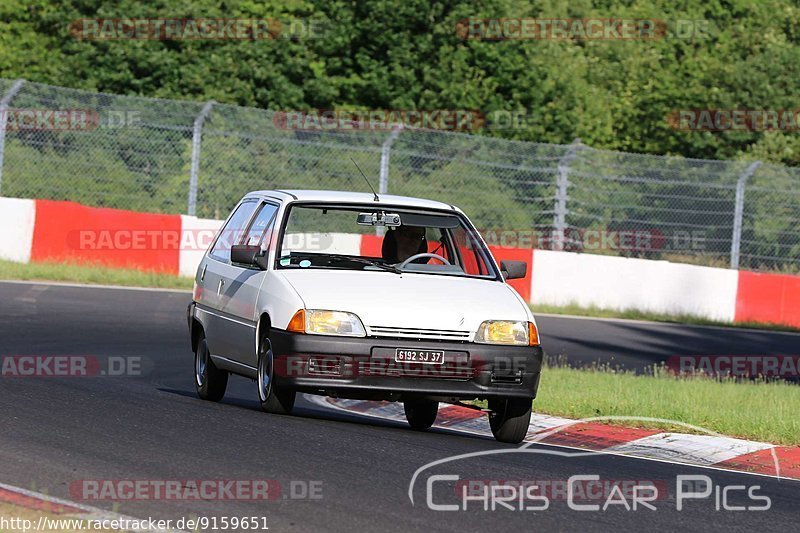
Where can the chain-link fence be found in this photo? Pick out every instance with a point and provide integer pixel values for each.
(200, 158)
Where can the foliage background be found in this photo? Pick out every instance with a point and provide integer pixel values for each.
(405, 54)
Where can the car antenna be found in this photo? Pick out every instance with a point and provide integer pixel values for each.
(366, 179)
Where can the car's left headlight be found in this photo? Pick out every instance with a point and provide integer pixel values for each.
(511, 332)
(323, 322)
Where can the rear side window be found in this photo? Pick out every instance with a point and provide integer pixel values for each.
(233, 231)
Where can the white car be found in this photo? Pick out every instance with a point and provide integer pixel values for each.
(359, 296)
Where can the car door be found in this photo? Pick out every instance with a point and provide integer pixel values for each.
(241, 286)
(215, 273)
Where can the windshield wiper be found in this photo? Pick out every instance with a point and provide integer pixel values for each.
(362, 260)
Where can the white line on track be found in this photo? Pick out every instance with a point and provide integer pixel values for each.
(93, 286)
(90, 513)
(666, 324)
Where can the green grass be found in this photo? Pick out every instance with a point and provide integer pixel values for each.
(68, 524)
(597, 312)
(753, 410)
(91, 274)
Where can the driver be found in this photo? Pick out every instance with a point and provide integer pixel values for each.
(403, 242)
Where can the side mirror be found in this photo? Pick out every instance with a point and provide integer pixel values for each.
(244, 254)
(513, 269)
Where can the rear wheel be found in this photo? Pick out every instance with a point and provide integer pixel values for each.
(274, 399)
(421, 414)
(209, 381)
(509, 418)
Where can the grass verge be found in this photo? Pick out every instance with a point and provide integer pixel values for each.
(597, 312)
(91, 274)
(754, 410)
(23, 519)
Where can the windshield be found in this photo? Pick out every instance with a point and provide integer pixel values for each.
(385, 239)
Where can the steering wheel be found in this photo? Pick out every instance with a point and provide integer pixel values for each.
(419, 256)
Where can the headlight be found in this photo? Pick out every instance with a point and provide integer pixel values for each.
(508, 332)
(322, 322)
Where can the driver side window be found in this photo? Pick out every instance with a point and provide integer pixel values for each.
(258, 230)
(438, 243)
(472, 261)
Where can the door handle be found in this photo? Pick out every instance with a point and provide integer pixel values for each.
(219, 287)
(203, 273)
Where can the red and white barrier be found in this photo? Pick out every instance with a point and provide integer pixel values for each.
(621, 284)
(17, 218)
(197, 234)
(71, 232)
(770, 298)
(45, 230)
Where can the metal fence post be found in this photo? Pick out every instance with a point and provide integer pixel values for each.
(738, 214)
(197, 135)
(560, 217)
(383, 185)
(12, 91)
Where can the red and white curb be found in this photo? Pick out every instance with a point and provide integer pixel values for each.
(699, 450)
(63, 509)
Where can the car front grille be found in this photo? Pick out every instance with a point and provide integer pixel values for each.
(386, 368)
(416, 333)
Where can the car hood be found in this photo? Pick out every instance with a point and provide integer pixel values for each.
(413, 301)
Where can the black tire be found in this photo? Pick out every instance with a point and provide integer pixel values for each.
(209, 381)
(509, 419)
(421, 414)
(274, 399)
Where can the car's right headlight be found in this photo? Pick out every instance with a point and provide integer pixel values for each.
(510, 332)
(324, 322)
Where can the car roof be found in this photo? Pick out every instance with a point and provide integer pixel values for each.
(301, 195)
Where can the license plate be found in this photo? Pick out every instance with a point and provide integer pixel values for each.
(428, 357)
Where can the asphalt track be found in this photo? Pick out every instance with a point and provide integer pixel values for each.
(635, 345)
(55, 431)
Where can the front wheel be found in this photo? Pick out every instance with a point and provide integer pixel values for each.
(421, 414)
(274, 399)
(209, 381)
(509, 418)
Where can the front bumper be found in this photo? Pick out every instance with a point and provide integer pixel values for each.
(366, 368)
